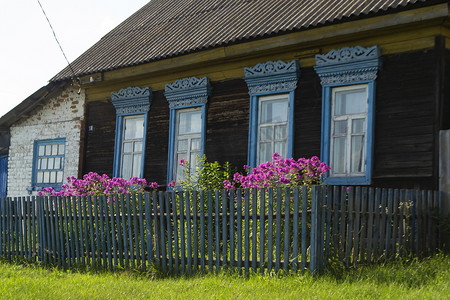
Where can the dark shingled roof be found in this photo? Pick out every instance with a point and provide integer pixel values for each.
(167, 28)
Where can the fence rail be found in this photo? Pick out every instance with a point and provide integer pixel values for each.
(249, 230)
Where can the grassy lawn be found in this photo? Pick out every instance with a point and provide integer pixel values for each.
(425, 279)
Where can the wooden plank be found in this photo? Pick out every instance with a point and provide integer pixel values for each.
(210, 233)
(384, 200)
(20, 231)
(335, 227)
(224, 228)
(195, 230)
(118, 205)
(202, 231)
(247, 232)
(148, 226)
(53, 228)
(161, 226)
(136, 249)
(322, 223)
(434, 208)
(304, 239)
(401, 223)
(155, 221)
(370, 216)
(141, 230)
(129, 201)
(295, 230)
(254, 227)
(91, 230)
(376, 232)
(175, 230)
(278, 231)
(262, 229)
(183, 234)
(270, 230)
(395, 204)
(387, 245)
(343, 223)
(81, 235)
(3, 224)
(417, 222)
(287, 209)
(239, 230)
(232, 224)
(107, 214)
(113, 214)
(364, 218)
(9, 229)
(124, 231)
(328, 209)
(66, 231)
(189, 232)
(314, 228)
(101, 206)
(74, 228)
(169, 233)
(216, 236)
(349, 238)
(86, 232)
(356, 230)
(29, 223)
(47, 237)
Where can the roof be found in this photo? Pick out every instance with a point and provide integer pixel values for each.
(168, 28)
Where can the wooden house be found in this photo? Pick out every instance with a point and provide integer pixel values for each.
(364, 85)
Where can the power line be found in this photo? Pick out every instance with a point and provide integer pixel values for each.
(60, 47)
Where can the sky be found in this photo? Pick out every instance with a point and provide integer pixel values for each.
(29, 54)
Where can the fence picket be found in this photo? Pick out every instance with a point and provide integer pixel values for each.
(356, 230)
(278, 231)
(210, 232)
(175, 230)
(148, 225)
(101, 201)
(189, 232)
(363, 229)
(202, 230)
(107, 214)
(169, 233)
(161, 226)
(348, 243)
(376, 232)
(287, 210)
(136, 250)
(195, 230)
(182, 234)
(247, 232)
(254, 228)
(232, 223)
(343, 204)
(388, 223)
(224, 228)
(304, 239)
(239, 229)
(129, 201)
(270, 231)
(295, 230)
(262, 198)
(91, 229)
(394, 247)
(112, 201)
(155, 221)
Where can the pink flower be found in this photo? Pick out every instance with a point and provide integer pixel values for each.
(171, 184)
(183, 162)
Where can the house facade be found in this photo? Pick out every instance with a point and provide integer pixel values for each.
(363, 85)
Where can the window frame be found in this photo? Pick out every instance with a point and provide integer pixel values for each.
(37, 144)
(326, 144)
(173, 134)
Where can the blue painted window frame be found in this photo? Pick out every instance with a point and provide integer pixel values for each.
(267, 79)
(131, 101)
(36, 156)
(172, 136)
(119, 140)
(348, 66)
(185, 93)
(252, 154)
(325, 150)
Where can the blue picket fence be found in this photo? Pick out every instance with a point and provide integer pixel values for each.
(248, 230)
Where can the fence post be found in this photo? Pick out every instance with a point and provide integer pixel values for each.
(313, 263)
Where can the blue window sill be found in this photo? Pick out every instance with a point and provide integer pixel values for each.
(360, 180)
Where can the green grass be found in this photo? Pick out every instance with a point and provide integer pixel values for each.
(425, 279)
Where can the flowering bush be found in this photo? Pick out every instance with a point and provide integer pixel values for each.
(95, 184)
(282, 172)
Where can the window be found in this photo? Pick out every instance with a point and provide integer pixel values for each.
(271, 128)
(132, 105)
(48, 163)
(188, 139)
(348, 131)
(348, 100)
(187, 100)
(132, 146)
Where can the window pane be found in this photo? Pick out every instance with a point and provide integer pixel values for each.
(127, 166)
(46, 177)
(280, 148)
(137, 165)
(274, 111)
(189, 122)
(195, 144)
(179, 169)
(59, 176)
(358, 126)
(350, 102)
(266, 133)
(51, 163)
(41, 150)
(340, 127)
(357, 164)
(265, 152)
(193, 161)
(55, 149)
(57, 163)
(43, 164)
(182, 145)
(52, 177)
(48, 149)
(338, 164)
(40, 177)
(61, 149)
(128, 147)
(280, 132)
(134, 128)
(137, 146)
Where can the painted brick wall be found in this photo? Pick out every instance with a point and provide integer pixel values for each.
(60, 117)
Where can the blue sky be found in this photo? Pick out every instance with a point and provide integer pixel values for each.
(29, 54)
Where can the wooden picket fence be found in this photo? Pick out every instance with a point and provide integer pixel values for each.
(248, 230)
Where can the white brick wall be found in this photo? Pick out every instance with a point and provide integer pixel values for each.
(60, 117)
